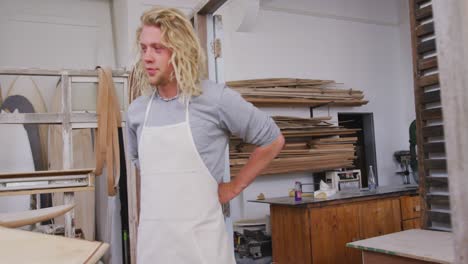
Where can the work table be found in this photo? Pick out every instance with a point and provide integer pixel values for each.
(344, 196)
(317, 230)
(410, 246)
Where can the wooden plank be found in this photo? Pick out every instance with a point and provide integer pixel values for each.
(425, 29)
(428, 63)
(435, 164)
(201, 31)
(431, 114)
(435, 147)
(428, 80)
(451, 18)
(437, 182)
(52, 72)
(20, 246)
(441, 201)
(39, 191)
(50, 173)
(426, 46)
(440, 217)
(290, 235)
(431, 131)
(303, 102)
(431, 97)
(65, 85)
(30, 118)
(423, 13)
(422, 2)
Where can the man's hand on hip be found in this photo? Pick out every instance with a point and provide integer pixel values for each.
(228, 191)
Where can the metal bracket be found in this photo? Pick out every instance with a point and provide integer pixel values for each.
(216, 48)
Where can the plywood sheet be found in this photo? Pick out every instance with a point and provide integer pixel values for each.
(18, 246)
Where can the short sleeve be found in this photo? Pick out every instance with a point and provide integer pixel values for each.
(244, 120)
(132, 141)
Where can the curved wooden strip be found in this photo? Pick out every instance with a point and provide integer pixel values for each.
(18, 219)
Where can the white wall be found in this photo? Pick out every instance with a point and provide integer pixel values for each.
(364, 44)
(55, 34)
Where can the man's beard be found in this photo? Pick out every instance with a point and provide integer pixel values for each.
(159, 80)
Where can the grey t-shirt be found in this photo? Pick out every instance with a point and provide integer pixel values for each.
(214, 115)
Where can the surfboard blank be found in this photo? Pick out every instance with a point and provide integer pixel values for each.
(18, 219)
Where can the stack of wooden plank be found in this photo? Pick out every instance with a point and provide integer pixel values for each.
(306, 92)
(312, 144)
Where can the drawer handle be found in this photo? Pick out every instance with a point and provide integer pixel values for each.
(417, 208)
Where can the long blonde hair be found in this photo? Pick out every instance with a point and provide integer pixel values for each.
(188, 58)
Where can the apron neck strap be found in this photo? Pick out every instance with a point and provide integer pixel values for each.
(148, 107)
(187, 102)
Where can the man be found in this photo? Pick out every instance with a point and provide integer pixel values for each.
(178, 136)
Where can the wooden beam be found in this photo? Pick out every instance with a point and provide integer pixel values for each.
(438, 182)
(435, 164)
(50, 72)
(431, 97)
(200, 24)
(440, 217)
(439, 200)
(428, 80)
(428, 63)
(450, 19)
(55, 190)
(420, 123)
(49, 173)
(437, 147)
(425, 29)
(431, 114)
(211, 6)
(421, 2)
(432, 131)
(423, 13)
(426, 46)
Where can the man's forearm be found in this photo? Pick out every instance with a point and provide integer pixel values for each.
(258, 161)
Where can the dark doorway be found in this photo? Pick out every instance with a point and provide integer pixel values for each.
(365, 146)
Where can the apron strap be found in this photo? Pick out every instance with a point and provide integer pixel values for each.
(148, 107)
(187, 101)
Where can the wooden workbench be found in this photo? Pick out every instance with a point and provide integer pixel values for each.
(410, 246)
(317, 230)
(19, 246)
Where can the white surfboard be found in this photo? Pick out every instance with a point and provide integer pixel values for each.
(25, 86)
(16, 156)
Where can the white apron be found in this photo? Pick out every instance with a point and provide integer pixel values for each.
(181, 220)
